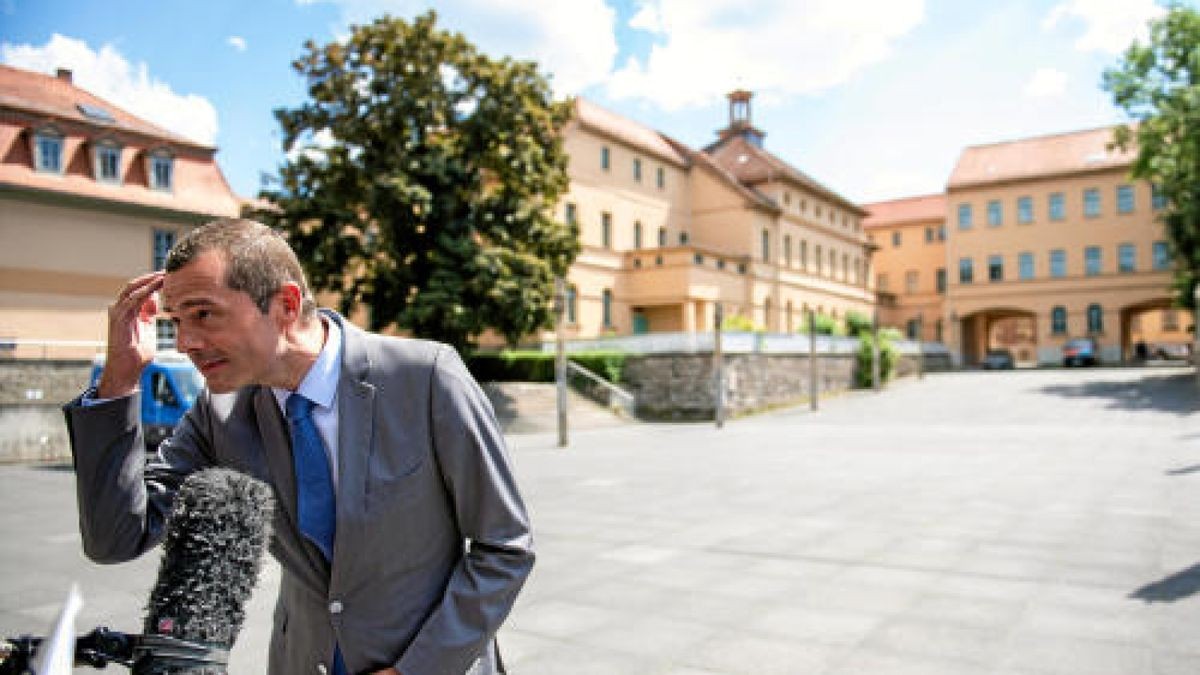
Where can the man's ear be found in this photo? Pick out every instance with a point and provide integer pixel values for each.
(290, 301)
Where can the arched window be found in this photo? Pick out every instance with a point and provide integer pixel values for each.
(1095, 318)
(1058, 320)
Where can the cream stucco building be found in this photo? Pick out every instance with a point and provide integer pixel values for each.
(90, 196)
(670, 232)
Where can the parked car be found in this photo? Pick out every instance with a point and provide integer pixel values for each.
(999, 359)
(170, 385)
(1177, 351)
(1079, 352)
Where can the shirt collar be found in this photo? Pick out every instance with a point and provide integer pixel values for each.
(320, 382)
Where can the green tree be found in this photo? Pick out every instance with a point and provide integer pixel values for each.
(1158, 86)
(421, 180)
(857, 323)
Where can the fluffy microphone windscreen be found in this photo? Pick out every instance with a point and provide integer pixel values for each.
(212, 554)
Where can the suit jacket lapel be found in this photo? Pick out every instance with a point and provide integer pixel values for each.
(278, 449)
(356, 410)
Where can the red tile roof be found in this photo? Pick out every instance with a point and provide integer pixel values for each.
(907, 210)
(31, 101)
(1027, 158)
(753, 165)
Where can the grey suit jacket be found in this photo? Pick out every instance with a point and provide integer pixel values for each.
(433, 541)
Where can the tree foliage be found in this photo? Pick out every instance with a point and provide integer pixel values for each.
(421, 180)
(1158, 86)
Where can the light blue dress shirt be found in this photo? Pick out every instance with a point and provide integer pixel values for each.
(320, 385)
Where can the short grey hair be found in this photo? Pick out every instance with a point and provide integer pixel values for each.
(258, 259)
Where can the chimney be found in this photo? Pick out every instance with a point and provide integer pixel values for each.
(63, 74)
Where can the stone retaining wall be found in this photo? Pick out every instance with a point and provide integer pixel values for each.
(680, 386)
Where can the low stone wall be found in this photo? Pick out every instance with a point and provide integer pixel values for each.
(31, 395)
(680, 386)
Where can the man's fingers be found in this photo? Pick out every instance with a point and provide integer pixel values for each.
(138, 285)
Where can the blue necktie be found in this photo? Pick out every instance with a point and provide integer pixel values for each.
(314, 482)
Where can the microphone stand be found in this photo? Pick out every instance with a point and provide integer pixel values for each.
(142, 654)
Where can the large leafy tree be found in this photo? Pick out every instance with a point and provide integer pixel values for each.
(421, 180)
(1158, 86)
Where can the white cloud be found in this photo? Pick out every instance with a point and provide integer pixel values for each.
(1109, 25)
(108, 75)
(774, 47)
(1046, 83)
(237, 42)
(574, 41)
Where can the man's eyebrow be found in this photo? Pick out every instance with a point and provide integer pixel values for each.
(195, 302)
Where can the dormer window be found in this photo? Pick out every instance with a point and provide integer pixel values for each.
(108, 163)
(161, 171)
(48, 151)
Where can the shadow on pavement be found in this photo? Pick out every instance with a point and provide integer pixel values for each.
(1180, 585)
(1184, 470)
(1165, 393)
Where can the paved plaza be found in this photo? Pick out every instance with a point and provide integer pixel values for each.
(1026, 522)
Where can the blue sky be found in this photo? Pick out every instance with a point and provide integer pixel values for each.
(875, 99)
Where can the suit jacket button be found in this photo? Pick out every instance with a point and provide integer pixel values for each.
(335, 607)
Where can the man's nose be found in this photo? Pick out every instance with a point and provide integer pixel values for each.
(186, 340)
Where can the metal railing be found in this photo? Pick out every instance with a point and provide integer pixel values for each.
(22, 348)
(600, 390)
(733, 342)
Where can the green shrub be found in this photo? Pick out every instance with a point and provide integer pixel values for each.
(857, 323)
(740, 322)
(888, 356)
(520, 365)
(825, 324)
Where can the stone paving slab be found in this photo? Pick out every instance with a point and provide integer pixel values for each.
(1017, 523)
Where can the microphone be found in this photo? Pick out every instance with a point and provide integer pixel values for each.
(212, 553)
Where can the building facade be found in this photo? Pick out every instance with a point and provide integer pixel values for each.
(1047, 239)
(910, 264)
(90, 196)
(669, 233)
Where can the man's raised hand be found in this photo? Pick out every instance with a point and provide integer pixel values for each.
(131, 336)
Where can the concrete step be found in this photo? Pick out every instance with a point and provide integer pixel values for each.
(531, 407)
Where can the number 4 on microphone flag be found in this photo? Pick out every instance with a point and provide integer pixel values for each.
(57, 655)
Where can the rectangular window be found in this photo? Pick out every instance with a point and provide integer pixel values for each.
(941, 233)
(766, 246)
(1126, 258)
(160, 172)
(1124, 199)
(803, 254)
(605, 158)
(572, 214)
(662, 237)
(164, 334)
(911, 281)
(1058, 263)
(1058, 210)
(606, 230)
(1162, 255)
(1091, 261)
(637, 169)
(1091, 202)
(881, 281)
(637, 234)
(1158, 199)
(817, 257)
(1170, 321)
(896, 239)
(995, 214)
(108, 164)
(966, 271)
(964, 216)
(929, 235)
(995, 268)
(661, 177)
(163, 241)
(572, 304)
(787, 250)
(1025, 265)
(941, 280)
(1025, 210)
(49, 153)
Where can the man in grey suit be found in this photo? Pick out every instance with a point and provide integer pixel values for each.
(427, 542)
